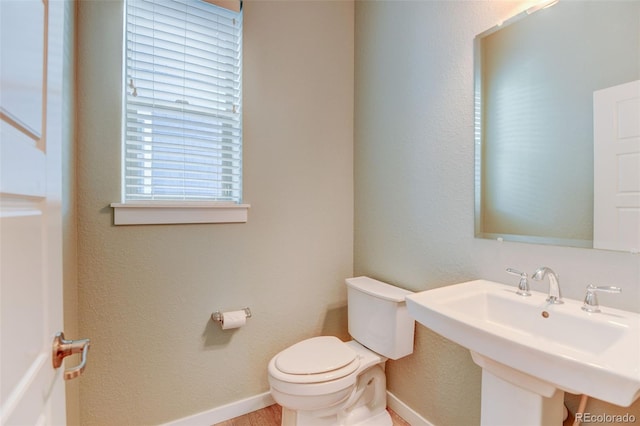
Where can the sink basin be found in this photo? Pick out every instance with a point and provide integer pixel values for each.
(558, 346)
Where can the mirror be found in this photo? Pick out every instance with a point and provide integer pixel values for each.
(534, 81)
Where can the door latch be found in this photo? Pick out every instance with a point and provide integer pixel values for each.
(63, 348)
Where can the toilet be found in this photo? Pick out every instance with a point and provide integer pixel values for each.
(323, 381)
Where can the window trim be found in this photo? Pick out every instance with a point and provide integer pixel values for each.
(169, 212)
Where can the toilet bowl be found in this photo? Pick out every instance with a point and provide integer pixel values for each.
(323, 381)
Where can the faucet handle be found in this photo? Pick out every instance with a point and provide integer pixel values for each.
(523, 285)
(591, 304)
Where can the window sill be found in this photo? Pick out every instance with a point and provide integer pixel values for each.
(164, 213)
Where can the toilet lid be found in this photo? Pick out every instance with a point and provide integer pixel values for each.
(316, 356)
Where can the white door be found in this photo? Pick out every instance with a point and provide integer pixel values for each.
(616, 221)
(31, 389)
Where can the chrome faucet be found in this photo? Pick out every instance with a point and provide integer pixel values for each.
(554, 284)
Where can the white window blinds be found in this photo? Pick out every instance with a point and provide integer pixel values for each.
(183, 92)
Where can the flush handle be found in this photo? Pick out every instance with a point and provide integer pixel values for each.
(62, 348)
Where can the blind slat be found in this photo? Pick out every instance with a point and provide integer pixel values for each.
(161, 115)
(183, 94)
(163, 160)
(168, 138)
(146, 108)
(153, 40)
(145, 54)
(171, 92)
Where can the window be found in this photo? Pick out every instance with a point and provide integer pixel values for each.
(182, 113)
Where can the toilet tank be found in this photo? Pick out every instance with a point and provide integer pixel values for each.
(378, 317)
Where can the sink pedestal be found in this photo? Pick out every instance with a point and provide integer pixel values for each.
(504, 403)
(511, 397)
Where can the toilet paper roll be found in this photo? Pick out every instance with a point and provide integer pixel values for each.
(233, 319)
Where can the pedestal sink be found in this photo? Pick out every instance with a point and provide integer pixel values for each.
(531, 351)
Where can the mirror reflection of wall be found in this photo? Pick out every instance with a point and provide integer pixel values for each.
(537, 76)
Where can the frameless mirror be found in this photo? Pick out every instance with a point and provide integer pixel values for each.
(535, 78)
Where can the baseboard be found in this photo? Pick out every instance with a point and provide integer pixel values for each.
(248, 405)
(226, 412)
(406, 412)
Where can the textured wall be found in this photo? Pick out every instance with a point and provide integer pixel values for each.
(146, 292)
(414, 189)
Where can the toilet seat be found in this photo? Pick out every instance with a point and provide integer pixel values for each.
(325, 391)
(316, 360)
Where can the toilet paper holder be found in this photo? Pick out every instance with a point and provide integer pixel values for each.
(218, 316)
